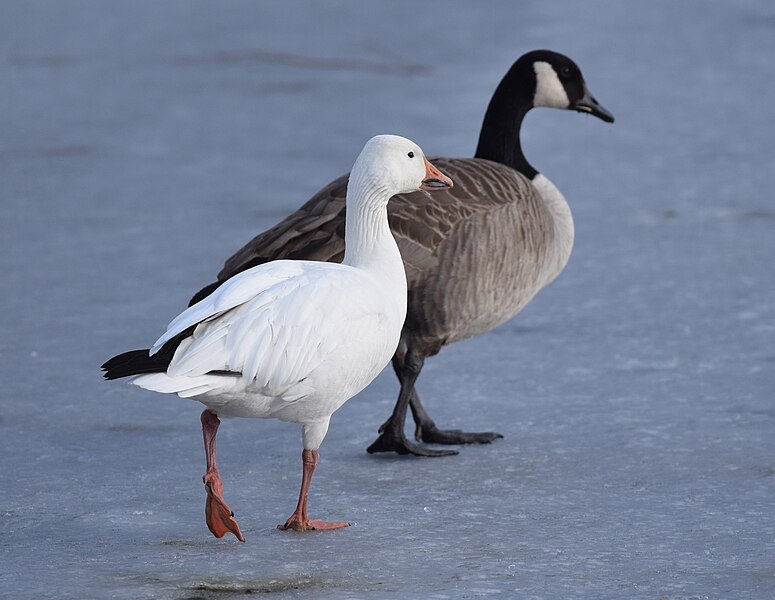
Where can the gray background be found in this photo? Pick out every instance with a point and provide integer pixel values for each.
(142, 142)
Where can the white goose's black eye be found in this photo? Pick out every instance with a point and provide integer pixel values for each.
(411, 155)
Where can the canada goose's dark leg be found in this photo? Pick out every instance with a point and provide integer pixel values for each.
(392, 437)
(426, 430)
(219, 517)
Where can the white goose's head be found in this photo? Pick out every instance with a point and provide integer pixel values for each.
(396, 165)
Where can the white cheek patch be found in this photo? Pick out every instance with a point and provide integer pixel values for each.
(549, 91)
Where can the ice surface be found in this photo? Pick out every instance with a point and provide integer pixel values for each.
(143, 142)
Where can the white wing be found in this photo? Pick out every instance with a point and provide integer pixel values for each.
(234, 292)
(276, 326)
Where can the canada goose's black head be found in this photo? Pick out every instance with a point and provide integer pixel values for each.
(560, 84)
(538, 78)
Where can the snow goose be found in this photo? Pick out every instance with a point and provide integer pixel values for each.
(475, 255)
(294, 340)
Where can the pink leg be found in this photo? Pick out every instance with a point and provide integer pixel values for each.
(220, 518)
(299, 521)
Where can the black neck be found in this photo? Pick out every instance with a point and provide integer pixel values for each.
(499, 139)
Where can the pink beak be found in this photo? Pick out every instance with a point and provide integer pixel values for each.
(434, 179)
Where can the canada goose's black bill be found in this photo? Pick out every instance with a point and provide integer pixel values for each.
(588, 104)
(434, 179)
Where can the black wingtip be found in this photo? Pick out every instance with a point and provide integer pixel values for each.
(140, 362)
(204, 292)
(134, 362)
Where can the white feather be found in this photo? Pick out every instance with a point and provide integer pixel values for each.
(549, 89)
(232, 293)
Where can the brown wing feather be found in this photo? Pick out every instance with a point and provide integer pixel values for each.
(493, 232)
(420, 221)
(314, 232)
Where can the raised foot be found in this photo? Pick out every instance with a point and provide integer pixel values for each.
(430, 434)
(298, 523)
(391, 442)
(220, 518)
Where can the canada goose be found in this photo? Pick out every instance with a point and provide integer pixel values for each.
(474, 255)
(294, 340)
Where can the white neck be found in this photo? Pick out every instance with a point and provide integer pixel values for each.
(368, 242)
(563, 224)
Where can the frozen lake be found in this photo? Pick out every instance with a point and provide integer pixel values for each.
(142, 143)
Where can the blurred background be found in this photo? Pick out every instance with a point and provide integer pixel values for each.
(141, 143)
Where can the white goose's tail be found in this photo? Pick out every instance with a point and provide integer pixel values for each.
(188, 387)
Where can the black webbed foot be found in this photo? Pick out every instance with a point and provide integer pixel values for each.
(389, 441)
(430, 434)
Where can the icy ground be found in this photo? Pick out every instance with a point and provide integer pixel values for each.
(142, 142)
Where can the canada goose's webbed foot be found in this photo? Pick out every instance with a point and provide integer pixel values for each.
(426, 430)
(430, 434)
(392, 440)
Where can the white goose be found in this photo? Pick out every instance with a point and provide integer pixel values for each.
(294, 340)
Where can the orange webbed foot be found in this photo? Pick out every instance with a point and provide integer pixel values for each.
(297, 522)
(220, 518)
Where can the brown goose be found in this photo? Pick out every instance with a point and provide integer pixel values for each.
(474, 254)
